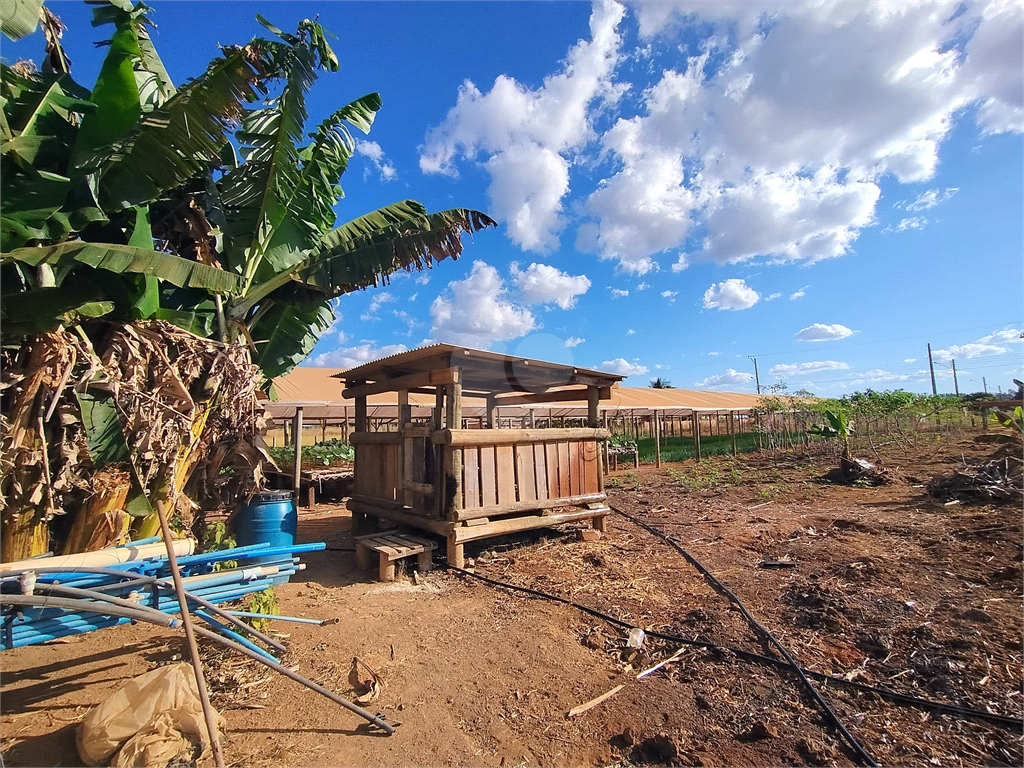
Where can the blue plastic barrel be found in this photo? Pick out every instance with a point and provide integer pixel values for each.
(269, 518)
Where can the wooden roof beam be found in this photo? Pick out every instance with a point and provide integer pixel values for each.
(557, 396)
(412, 381)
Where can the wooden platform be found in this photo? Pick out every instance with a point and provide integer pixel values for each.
(390, 547)
(366, 513)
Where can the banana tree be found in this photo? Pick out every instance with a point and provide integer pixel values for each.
(127, 203)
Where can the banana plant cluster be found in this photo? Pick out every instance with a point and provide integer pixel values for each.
(130, 200)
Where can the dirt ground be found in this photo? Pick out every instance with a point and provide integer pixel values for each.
(889, 586)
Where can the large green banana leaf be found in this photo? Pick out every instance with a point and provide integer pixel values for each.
(43, 310)
(255, 194)
(19, 17)
(286, 332)
(126, 258)
(400, 236)
(185, 136)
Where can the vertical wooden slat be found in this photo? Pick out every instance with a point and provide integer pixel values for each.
(379, 480)
(540, 467)
(392, 473)
(471, 477)
(564, 486)
(591, 467)
(551, 453)
(506, 475)
(577, 459)
(488, 483)
(527, 474)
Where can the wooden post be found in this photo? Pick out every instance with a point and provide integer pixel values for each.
(439, 450)
(607, 466)
(657, 440)
(695, 421)
(405, 449)
(453, 456)
(732, 432)
(490, 414)
(361, 420)
(593, 404)
(297, 469)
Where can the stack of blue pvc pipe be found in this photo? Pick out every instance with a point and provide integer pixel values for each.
(30, 625)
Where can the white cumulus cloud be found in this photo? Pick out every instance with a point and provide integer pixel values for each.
(350, 357)
(773, 135)
(730, 379)
(822, 332)
(573, 341)
(623, 367)
(966, 351)
(1009, 336)
(929, 199)
(544, 284)
(733, 293)
(986, 346)
(529, 136)
(914, 222)
(477, 311)
(373, 151)
(670, 295)
(378, 300)
(803, 368)
(618, 293)
(799, 294)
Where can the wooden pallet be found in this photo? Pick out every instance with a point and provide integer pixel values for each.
(391, 547)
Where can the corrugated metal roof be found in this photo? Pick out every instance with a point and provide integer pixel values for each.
(479, 367)
(319, 387)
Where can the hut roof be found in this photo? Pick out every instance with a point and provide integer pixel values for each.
(480, 371)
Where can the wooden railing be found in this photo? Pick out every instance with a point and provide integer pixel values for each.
(500, 471)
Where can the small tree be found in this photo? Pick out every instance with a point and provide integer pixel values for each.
(660, 383)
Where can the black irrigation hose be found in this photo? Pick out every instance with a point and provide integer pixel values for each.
(902, 698)
(759, 628)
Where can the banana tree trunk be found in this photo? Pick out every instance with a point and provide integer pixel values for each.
(189, 457)
(25, 534)
(25, 482)
(102, 521)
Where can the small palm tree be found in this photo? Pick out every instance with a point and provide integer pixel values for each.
(660, 383)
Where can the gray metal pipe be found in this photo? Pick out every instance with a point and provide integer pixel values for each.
(153, 580)
(162, 619)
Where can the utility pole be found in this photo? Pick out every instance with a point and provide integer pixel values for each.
(984, 385)
(956, 386)
(757, 378)
(932, 369)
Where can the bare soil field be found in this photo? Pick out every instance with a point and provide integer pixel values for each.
(885, 585)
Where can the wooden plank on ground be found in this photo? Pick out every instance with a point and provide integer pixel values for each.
(471, 477)
(506, 475)
(488, 482)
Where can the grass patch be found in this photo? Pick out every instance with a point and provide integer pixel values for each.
(681, 448)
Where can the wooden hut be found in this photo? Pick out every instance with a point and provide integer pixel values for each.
(467, 484)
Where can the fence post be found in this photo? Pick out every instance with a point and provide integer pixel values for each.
(657, 440)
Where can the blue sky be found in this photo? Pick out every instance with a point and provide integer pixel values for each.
(827, 187)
